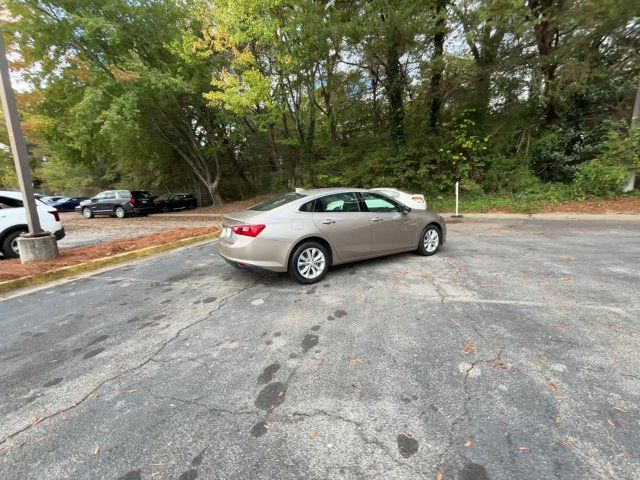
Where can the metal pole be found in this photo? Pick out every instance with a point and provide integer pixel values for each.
(18, 147)
(457, 215)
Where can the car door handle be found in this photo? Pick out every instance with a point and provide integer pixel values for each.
(328, 221)
(376, 219)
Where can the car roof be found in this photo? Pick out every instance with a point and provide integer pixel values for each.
(10, 194)
(312, 192)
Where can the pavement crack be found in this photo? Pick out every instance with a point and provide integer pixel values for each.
(197, 403)
(120, 375)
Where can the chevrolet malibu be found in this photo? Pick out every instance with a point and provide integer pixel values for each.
(307, 231)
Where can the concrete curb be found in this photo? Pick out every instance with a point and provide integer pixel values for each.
(99, 263)
(620, 217)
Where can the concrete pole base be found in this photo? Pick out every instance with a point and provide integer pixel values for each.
(37, 249)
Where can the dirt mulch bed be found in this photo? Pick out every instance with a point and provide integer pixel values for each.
(10, 269)
(617, 205)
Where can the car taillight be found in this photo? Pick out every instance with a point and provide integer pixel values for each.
(132, 200)
(55, 214)
(248, 230)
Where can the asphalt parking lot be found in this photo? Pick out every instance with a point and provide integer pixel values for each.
(512, 354)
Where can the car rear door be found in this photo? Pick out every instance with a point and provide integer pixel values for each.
(391, 228)
(339, 218)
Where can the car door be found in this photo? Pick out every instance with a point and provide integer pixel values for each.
(97, 202)
(339, 218)
(393, 228)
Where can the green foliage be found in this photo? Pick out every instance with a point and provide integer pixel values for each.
(600, 178)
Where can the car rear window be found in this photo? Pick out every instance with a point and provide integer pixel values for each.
(277, 202)
(140, 194)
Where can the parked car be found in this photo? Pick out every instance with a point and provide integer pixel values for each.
(308, 231)
(13, 221)
(413, 200)
(175, 201)
(118, 203)
(49, 199)
(67, 204)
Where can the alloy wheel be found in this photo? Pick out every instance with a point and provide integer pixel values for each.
(311, 263)
(431, 240)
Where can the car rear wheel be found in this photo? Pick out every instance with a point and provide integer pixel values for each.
(10, 244)
(87, 213)
(429, 240)
(309, 262)
(120, 213)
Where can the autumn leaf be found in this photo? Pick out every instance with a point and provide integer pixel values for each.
(468, 443)
(470, 348)
(314, 435)
(356, 361)
(96, 449)
(552, 386)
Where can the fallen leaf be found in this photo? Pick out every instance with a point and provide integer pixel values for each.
(468, 443)
(523, 449)
(314, 435)
(172, 405)
(356, 361)
(440, 477)
(568, 444)
(23, 440)
(97, 449)
(552, 386)
(317, 367)
(470, 348)
(133, 390)
(611, 423)
(623, 410)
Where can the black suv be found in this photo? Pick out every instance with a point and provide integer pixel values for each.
(175, 201)
(119, 203)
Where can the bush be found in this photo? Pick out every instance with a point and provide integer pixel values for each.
(600, 178)
(509, 174)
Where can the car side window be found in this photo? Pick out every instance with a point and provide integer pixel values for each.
(378, 203)
(6, 202)
(109, 195)
(337, 202)
(307, 207)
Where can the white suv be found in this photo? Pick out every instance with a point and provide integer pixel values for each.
(13, 221)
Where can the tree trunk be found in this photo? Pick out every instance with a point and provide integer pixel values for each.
(437, 62)
(395, 94)
(546, 35)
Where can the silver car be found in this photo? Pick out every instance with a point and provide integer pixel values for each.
(307, 231)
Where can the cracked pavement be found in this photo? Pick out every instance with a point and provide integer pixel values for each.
(512, 354)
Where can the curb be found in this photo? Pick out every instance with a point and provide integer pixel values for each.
(99, 263)
(622, 217)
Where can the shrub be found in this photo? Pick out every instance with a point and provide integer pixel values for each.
(600, 178)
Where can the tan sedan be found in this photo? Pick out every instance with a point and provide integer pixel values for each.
(307, 231)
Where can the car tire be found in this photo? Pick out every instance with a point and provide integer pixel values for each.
(87, 213)
(120, 213)
(10, 244)
(309, 262)
(430, 240)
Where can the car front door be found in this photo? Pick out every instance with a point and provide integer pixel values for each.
(339, 218)
(97, 202)
(392, 227)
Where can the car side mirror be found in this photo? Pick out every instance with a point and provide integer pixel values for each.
(405, 210)
(94, 199)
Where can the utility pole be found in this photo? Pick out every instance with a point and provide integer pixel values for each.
(635, 123)
(635, 117)
(37, 245)
(18, 146)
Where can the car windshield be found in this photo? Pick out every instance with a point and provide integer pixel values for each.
(277, 202)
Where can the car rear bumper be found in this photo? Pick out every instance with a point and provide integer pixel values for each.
(59, 234)
(255, 254)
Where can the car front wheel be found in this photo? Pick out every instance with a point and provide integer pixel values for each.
(120, 213)
(429, 240)
(309, 262)
(87, 213)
